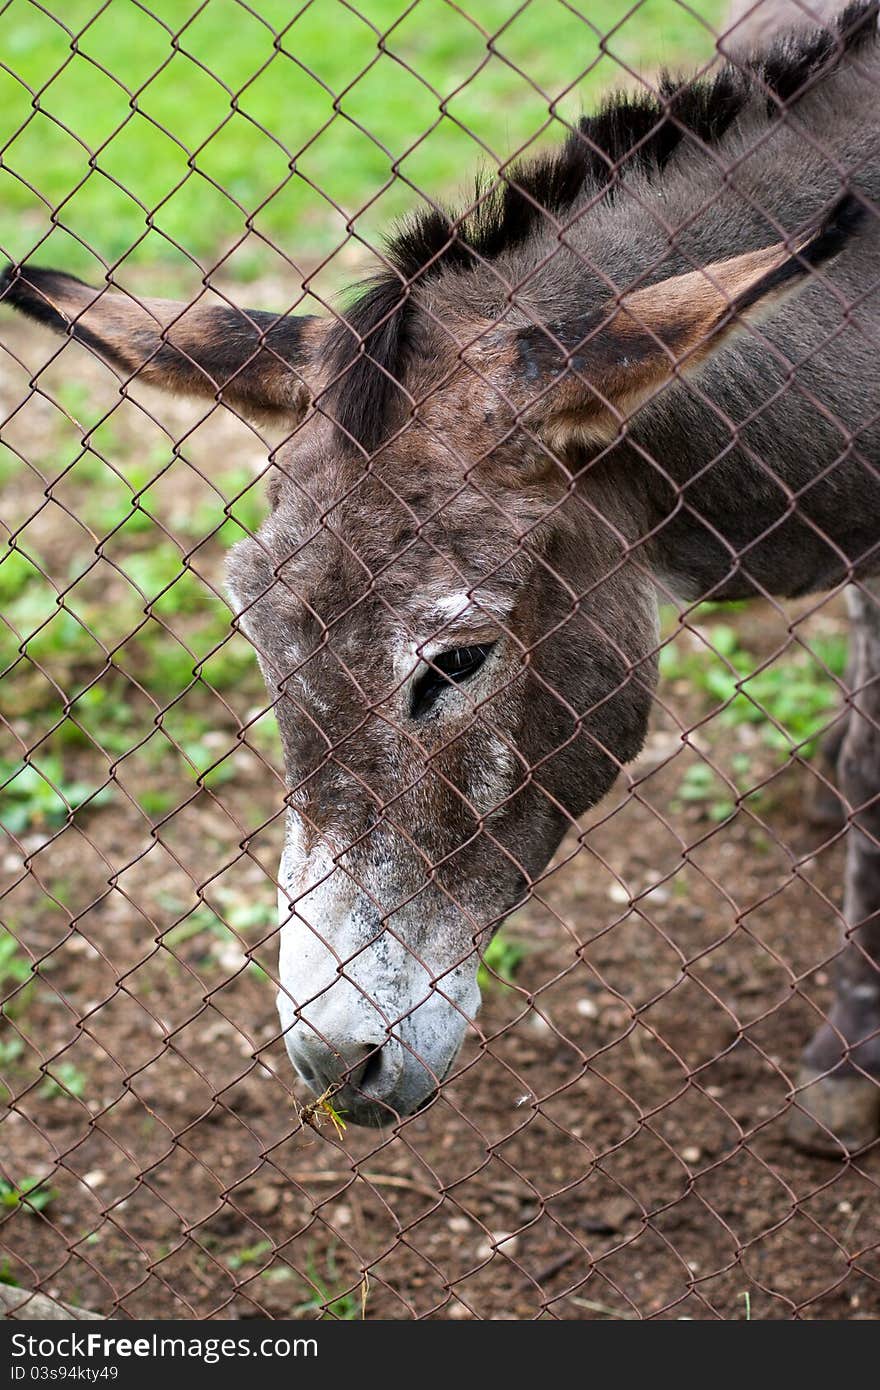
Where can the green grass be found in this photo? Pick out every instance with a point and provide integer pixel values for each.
(328, 1300)
(790, 701)
(15, 968)
(252, 1254)
(167, 135)
(791, 697)
(65, 1080)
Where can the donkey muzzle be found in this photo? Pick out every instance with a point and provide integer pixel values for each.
(371, 1071)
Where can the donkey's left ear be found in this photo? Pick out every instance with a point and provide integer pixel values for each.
(250, 359)
(580, 379)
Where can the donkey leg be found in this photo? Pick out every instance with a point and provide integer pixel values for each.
(837, 1109)
(826, 809)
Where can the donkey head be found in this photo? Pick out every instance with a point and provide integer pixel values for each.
(452, 614)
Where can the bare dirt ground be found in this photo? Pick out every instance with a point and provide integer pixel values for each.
(611, 1144)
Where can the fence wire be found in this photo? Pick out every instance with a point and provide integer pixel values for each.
(663, 891)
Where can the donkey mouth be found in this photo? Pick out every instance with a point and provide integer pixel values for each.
(356, 1105)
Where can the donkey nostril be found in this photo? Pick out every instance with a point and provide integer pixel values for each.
(372, 1069)
(358, 1072)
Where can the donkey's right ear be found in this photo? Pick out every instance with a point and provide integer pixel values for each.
(250, 359)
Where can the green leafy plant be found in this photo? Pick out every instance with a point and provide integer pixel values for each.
(41, 796)
(702, 785)
(501, 961)
(16, 975)
(251, 1254)
(31, 1194)
(345, 1306)
(791, 698)
(65, 1080)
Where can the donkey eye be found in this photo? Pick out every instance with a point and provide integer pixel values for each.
(446, 668)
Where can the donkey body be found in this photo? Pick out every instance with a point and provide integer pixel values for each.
(645, 364)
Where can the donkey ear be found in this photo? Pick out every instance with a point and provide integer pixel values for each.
(245, 357)
(583, 377)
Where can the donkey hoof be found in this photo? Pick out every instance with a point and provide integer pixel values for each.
(834, 1115)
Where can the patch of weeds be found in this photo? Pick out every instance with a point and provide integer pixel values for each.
(201, 919)
(348, 1306)
(156, 801)
(251, 1254)
(277, 1274)
(41, 796)
(7, 1275)
(244, 916)
(702, 786)
(31, 1194)
(501, 961)
(17, 574)
(65, 1080)
(10, 1051)
(791, 698)
(15, 974)
(211, 934)
(102, 712)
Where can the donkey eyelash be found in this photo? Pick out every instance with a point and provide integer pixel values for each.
(446, 668)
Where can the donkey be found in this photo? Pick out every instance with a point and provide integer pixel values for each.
(751, 24)
(645, 363)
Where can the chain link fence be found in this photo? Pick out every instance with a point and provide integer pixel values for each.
(479, 469)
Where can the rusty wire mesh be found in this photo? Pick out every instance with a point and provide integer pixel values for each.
(611, 1141)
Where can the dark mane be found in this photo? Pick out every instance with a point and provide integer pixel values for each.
(368, 346)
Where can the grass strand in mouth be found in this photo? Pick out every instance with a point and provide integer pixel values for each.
(317, 1111)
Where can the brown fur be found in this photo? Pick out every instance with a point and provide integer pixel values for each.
(541, 415)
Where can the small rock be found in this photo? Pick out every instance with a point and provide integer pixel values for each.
(656, 896)
(264, 1200)
(459, 1224)
(217, 740)
(618, 893)
(610, 1218)
(504, 1242)
(458, 1310)
(538, 1023)
(231, 957)
(95, 1178)
(692, 1154)
(81, 946)
(586, 1008)
(615, 1019)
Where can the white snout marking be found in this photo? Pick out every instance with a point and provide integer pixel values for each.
(351, 978)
